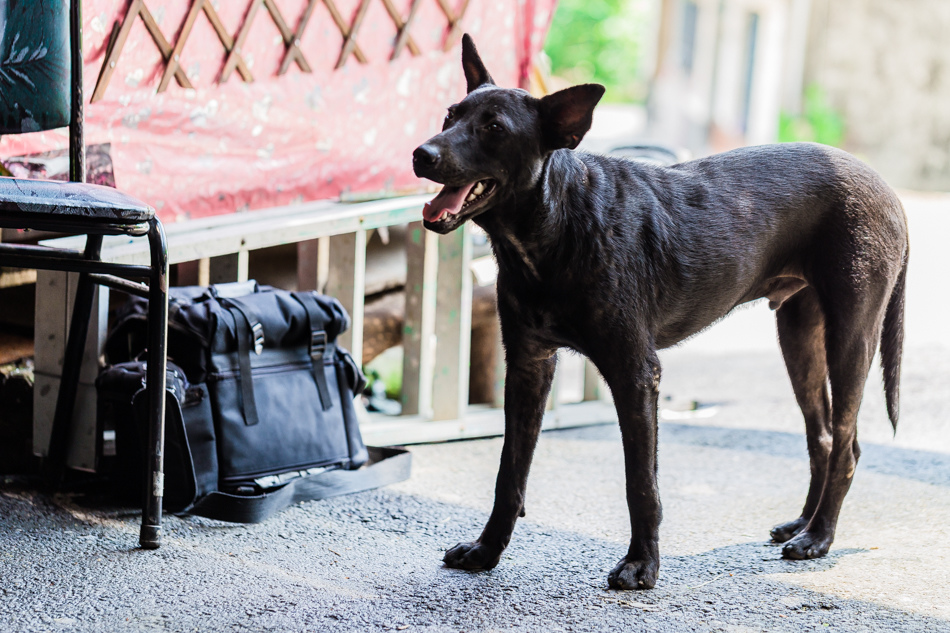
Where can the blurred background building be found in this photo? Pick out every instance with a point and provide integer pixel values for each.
(870, 76)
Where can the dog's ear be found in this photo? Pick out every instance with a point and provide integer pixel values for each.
(475, 72)
(567, 114)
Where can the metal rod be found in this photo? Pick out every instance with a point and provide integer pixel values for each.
(60, 223)
(123, 285)
(150, 534)
(77, 147)
(38, 251)
(75, 265)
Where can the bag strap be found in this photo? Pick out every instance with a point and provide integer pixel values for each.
(387, 465)
(246, 326)
(320, 346)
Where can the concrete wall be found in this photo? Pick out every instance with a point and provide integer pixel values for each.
(885, 66)
(730, 94)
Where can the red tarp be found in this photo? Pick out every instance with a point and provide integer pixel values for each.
(229, 146)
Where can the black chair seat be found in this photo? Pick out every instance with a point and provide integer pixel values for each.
(70, 201)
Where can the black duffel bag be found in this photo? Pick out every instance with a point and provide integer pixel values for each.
(259, 408)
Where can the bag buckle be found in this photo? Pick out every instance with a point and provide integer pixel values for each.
(318, 345)
(257, 331)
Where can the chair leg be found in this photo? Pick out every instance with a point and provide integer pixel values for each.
(72, 366)
(150, 535)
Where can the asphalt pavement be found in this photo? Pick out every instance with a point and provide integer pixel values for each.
(728, 471)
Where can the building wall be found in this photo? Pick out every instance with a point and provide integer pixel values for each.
(885, 67)
(724, 70)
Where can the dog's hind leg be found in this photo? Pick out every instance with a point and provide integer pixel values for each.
(635, 389)
(801, 334)
(527, 384)
(853, 324)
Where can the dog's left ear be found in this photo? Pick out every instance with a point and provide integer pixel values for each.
(567, 114)
(475, 72)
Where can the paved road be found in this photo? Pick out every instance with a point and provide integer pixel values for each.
(372, 561)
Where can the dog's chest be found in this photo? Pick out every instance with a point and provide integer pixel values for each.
(559, 314)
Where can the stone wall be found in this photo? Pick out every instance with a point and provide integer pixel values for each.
(885, 67)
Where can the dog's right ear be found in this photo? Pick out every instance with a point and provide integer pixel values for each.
(475, 72)
(567, 114)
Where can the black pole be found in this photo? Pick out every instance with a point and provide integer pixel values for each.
(79, 324)
(150, 534)
(77, 147)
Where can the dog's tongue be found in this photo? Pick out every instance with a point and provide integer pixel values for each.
(449, 200)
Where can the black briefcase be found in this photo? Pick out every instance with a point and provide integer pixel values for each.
(259, 406)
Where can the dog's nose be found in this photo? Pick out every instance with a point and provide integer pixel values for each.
(426, 155)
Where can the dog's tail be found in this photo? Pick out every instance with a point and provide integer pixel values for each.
(892, 344)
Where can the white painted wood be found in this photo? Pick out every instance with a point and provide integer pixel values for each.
(52, 291)
(83, 442)
(500, 370)
(595, 388)
(224, 235)
(323, 263)
(204, 271)
(11, 277)
(346, 282)
(553, 402)
(477, 421)
(453, 325)
(418, 339)
(54, 300)
(313, 264)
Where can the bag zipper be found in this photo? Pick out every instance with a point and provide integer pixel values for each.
(265, 370)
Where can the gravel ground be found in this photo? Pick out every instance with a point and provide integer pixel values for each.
(372, 561)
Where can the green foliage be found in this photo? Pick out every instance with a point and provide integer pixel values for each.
(387, 367)
(600, 41)
(819, 122)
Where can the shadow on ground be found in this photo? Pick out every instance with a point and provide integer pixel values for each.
(918, 465)
(371, 562)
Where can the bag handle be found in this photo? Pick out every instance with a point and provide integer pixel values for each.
(246, 325)
(387, 465)
(320, 346)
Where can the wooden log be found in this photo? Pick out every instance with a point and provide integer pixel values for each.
(383, 328)
(382, 324)
(484, 380)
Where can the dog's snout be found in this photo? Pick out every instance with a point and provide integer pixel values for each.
(426, 155)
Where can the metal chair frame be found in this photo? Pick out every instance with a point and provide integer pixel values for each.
(93, 271)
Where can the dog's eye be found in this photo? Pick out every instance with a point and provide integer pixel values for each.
(495, 127)
(449, 116)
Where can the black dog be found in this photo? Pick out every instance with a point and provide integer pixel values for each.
(616, 259)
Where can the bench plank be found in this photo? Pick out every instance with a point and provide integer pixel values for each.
(422, 260)
(224, 235)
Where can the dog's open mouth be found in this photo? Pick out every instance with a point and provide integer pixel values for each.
(454, 200)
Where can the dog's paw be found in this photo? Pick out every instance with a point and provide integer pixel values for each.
(634, 574)
(807, 545)
(471, 556)
(785, 531)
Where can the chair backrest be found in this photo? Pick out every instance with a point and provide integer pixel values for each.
(34, 65)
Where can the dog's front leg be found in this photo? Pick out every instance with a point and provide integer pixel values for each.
(527, 384)
(635, 389)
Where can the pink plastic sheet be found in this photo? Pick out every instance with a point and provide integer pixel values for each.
(230, 146)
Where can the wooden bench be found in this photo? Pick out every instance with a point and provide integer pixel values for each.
(331, 240)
